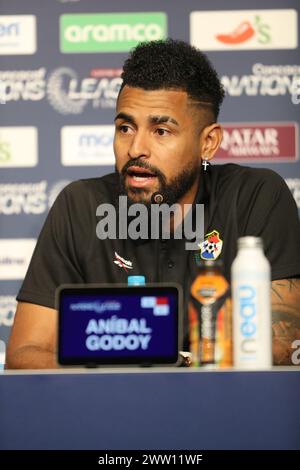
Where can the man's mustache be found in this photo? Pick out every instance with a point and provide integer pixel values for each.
(138, 163)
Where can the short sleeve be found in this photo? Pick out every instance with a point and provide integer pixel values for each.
(54, 260)
(273, 215)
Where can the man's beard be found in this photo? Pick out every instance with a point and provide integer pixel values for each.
(172, 191)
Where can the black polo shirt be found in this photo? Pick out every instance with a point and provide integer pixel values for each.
(238, 201)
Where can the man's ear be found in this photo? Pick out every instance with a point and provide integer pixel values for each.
(210, 140)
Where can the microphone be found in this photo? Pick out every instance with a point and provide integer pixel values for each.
(157, 198)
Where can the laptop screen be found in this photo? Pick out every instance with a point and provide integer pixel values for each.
(106, 325)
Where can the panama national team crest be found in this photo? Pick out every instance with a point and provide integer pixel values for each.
(212, 246)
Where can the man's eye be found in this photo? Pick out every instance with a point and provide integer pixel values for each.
(162, 132)
(124, 129)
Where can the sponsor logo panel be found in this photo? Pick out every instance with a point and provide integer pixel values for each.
(17, 34)
(265, 80)
(13, 141)
(22, 85)
(65, 90)
(70, 93)
(15, 255)
(244, 29)
(255, 142)
(87, 145)
(28, 198)
(109, 32)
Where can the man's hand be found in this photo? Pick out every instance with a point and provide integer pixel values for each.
(285, 298)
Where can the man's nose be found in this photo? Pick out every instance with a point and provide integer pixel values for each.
(139, 146)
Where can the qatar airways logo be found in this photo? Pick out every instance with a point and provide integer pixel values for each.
(259, 142)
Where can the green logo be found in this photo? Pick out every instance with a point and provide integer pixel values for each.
(109, 32)
(263, 31)
(5, 154)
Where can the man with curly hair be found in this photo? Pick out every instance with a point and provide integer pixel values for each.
(166, 133)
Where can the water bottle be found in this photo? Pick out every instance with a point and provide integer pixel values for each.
(136, 281)
(251, 284)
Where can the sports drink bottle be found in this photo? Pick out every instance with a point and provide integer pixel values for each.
(210, 320)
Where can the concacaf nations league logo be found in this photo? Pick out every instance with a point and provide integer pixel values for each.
(212, 246)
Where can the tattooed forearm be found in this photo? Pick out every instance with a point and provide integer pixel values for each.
(285, 295)
(286, 287)
(275, 291)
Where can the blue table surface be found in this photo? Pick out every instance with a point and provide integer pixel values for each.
(150, 409)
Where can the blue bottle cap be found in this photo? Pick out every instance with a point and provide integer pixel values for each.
(136, 280)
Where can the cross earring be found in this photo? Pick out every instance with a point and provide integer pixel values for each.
(205, 163)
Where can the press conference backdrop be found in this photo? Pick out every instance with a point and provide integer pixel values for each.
(60, 64)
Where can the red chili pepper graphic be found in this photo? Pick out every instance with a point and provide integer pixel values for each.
(241, 34)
